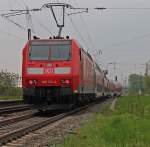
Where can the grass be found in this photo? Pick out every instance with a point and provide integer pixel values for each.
(128, 126)
(10, 93)
(10, 97)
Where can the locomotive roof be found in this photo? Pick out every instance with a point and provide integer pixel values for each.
(45, 41)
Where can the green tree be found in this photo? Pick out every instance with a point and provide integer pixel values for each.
(136, 83)
(8, 84)
(147, 84)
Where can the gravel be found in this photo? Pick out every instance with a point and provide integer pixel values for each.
(54, 134)
(16, 114)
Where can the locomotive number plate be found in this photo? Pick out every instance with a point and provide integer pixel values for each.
(49, 70)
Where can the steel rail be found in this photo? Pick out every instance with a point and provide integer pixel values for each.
(23, 131)
(16, 119)
(11, 109)
(10, 102)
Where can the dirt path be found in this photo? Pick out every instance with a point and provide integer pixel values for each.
(113, 104)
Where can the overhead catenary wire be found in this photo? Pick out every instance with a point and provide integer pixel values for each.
(80, 35)
(20, 12)
(17, 24)
(90, 38)
(123, 8)
(42, 25)
(24, 3)
(12, 35)
(16, 12)
(10, 3)
(139, 37)
(19, 3)
(86, 29)
(4, 10)
(94, 8)
(35, 18)
(29, 23)
(86, 9)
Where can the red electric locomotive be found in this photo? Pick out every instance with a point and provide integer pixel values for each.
(58, 72)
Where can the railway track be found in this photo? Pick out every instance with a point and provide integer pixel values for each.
(11, 109)
(15, 119)
(10, 102)
(11, 132)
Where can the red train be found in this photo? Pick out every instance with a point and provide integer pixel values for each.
(59, 73)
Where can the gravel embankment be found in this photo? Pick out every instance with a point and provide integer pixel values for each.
(54, 134)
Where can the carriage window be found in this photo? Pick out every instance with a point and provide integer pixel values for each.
(80, 54)
(39, 52)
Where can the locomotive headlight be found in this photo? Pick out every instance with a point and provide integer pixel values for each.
(32, 82)
(76, 91)
(65, 81)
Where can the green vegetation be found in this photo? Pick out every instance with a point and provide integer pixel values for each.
(8, 86)
(147, 84)
(128, 126)
(139, 82)
(136, 83)
(13, 97)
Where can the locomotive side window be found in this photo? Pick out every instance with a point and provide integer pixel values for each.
(39, 52)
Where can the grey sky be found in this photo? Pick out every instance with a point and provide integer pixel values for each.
(122, 35)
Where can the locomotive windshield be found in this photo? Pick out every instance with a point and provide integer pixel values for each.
(50, 52)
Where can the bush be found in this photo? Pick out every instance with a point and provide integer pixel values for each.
(10, 91)
(8, 84)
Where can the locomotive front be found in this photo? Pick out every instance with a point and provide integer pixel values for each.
(47, 72)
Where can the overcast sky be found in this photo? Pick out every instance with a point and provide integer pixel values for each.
(122, 35)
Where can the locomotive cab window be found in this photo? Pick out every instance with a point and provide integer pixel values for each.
(50, 52)
(60, 52)
(39, 52)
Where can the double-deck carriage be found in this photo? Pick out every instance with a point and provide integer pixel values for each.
(99, 82)
(118, 89)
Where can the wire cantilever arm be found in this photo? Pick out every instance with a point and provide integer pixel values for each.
(49, 5)
(19, 12)
(13, 14)
(85, 11)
